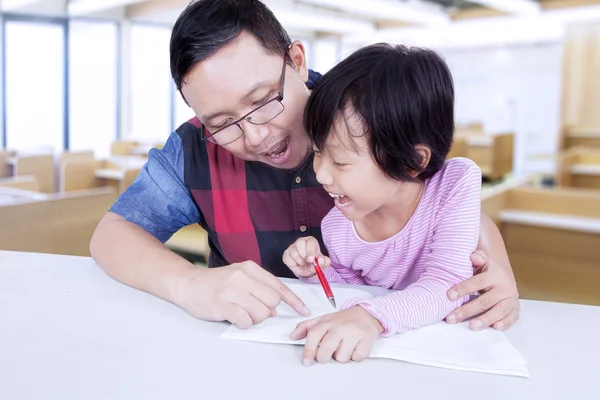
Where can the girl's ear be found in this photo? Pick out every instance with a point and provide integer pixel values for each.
(425, 154)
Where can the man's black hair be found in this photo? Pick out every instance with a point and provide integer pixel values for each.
(206, 26)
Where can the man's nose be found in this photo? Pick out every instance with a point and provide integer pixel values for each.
(254, 134)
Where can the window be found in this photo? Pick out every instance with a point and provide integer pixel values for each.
(93, 95)
(34, 85)
(182, 111)
(151, 85)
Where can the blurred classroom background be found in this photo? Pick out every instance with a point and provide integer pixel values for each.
(86, 92)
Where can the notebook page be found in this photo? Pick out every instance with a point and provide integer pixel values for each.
(437, 345)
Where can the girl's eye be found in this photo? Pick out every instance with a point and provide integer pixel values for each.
(337, 164)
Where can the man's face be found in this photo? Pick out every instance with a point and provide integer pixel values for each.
(239, 78)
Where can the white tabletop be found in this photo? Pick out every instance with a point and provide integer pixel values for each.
(68, 331)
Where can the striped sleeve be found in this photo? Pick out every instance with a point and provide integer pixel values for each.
(447, 263)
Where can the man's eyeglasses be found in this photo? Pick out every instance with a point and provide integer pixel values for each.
(258, 116)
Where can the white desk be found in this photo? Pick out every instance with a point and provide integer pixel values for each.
(68, 331)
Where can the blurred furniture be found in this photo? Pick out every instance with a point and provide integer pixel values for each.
(581, 86)
(71, 156)
(123, 147)
(52, 223)
(579, 167)
(41, 166)
(117, 172)
(577, 136)
(460, 148)
(6, 163)
(552, 237)
(493, 153)
(133, 148)
(192, 240)
(14, 195)
(25, 182)
(472, 127)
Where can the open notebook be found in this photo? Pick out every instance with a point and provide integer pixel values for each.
(438, 345)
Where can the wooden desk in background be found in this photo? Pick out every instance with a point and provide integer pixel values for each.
(493, 153)
(25, 182)
(117, 172)
(581, 137)
(552, 237)
(53, 223)
(579, 167)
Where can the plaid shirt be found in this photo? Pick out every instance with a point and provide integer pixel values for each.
(251, 211)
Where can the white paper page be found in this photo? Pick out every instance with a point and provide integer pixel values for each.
(456, 347)
(440, 344)
(278, 329)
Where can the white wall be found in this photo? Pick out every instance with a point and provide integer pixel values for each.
(515, 88)
(325, 54)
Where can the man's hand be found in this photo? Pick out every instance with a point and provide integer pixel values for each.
(242, 293)
(499, 299)
(344, 335)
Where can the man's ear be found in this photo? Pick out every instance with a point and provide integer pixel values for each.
(297, 53)
(425, 155)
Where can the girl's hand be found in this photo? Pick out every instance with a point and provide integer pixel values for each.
(299, 257)
(344, 335)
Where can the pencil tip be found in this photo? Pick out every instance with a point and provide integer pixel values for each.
(332, 301)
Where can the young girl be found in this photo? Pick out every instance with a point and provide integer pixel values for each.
(381, 122)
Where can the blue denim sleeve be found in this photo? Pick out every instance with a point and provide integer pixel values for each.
(158, 200)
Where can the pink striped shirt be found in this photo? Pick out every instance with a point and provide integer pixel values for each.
(424, 260)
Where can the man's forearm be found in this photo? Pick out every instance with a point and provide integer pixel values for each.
(491, 242)
(134, 257)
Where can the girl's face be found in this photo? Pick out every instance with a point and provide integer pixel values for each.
(347, 171)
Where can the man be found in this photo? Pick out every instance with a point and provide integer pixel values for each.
(243, 170)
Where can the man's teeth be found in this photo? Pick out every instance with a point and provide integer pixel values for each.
(278, 151)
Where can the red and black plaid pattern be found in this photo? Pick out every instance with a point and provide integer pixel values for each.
(250, 210)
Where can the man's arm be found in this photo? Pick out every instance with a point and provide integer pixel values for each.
(132, 256)
(494, 279)
(128, 245)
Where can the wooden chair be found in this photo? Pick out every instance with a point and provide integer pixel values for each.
(41, 166)
(117, 172)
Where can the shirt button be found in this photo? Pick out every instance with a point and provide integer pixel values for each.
(298, 179)
(302, 228)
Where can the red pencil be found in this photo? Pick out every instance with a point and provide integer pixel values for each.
(324, 283)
